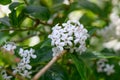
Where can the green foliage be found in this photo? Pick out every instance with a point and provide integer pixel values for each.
(35, 18)
(14, 5)
(43, 54)
(6, 59)
(4, 2)
(56, 72)
(90, 6)
(80, 67)
(38, 12)
(5, 21)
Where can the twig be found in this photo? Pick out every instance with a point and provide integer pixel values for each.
(41, 22)
(15, 29)
(27, 37)
(24, 38)
(45, 23)
(37, 22)
(44, 69)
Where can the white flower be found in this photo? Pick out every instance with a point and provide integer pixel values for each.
(56, 51)
(111, 33)
(23, 53)
(109, 69)
(28, 66)
(118, 30)
(81, 48)
(71, 36)
(31, 53)
(23, 66)
(26, 73)
(109, 30)
(103, 67)
(101, 62)
(9, 46)
(5, 76)
(113, 44)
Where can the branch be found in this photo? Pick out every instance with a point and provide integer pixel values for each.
(44, 69)
(39, 21)
(45, 23)
(24, 38)
(16, 29)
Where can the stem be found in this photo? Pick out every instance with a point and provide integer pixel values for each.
(44, 69)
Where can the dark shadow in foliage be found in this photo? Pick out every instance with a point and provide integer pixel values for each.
(56, 72)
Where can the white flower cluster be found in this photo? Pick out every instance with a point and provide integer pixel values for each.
(115, 20)
(116, 6)
(9, 46)
(23, 66)
(111, 33)
(113, 44)
(5, 76)
(113, 30)
(109, 30)
(71, 36)
(102, 66)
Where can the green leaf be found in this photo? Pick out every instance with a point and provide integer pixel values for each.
(21, 18)
(80, 67)
(89, 56)
(3, 37)
(90, 6)
(47, 3)
(46, 42)
(107, 8)
(43, 54)
(4, 2)
(17, 14)
(43, 51)
(38, 12)
(5, 21)
(96, 55)
(13, 18)
(105, 55)
(56, 72)
(14, 5)
(86, 20)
